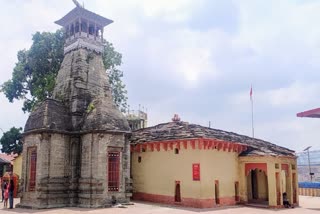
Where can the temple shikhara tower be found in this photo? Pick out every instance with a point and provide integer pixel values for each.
(76, 149)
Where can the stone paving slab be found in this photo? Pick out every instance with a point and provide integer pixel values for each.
(307, 205)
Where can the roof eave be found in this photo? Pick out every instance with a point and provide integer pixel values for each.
(66, 19)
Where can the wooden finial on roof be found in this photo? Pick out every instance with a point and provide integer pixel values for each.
(176, 118)
(77, 3)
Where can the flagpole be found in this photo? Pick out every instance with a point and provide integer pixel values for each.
(252, 113)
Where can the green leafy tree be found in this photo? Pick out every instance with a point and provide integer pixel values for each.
(11, 141)
(34, 74)
(111, 60)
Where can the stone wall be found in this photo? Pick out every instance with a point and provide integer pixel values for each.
(52, 171)
(93, 184)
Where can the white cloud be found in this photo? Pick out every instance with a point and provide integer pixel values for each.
(273, 25)
(296, 94)
(171, 11)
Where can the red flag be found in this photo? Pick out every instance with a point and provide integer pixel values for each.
(251, 93)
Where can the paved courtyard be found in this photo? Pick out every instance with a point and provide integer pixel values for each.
(307, 205)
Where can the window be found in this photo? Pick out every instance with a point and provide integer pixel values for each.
(139, 159)
(143, 150)
(113, 171)
(176, 151)
(293, 167)
(276, 166)
(32, 158)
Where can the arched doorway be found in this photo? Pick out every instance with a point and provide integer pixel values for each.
(257, 184)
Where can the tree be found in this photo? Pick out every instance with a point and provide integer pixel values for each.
(34, 74)
(111, 60)
(11, 141)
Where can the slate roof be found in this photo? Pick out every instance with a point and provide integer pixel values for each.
(6, 159)
(50, 114)
(83, 13)
(184, 130)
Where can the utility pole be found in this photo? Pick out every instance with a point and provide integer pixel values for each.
(310, 173)
(251, 99)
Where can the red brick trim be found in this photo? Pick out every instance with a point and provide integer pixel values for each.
(251, 166)
(195, 143)
(187, 202)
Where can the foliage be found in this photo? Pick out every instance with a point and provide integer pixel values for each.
(90, 107)
(111, 60)
(34, 74)
(33, 77)
(11, 141)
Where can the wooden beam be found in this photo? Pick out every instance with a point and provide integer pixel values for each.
(171, 145)
(230, 147)
(165, 146)
(138, 148)
(193, 144)
(144, 146)
(185, 144)
(205, 144)
(151, 145)
(235, 147)
(178, 145)
(210, 143)
(200, 143)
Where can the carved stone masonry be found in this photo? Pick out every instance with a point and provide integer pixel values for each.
(74, 132)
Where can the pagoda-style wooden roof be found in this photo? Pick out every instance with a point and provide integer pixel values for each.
(184, 130)
(80, 12)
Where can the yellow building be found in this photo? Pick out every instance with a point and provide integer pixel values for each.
(17, 165)
(191, 165)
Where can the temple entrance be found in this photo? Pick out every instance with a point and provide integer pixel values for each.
(286, 182)
(257, 184)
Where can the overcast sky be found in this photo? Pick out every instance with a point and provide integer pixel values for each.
(197, 58)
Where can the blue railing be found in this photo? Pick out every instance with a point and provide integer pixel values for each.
(312, 185)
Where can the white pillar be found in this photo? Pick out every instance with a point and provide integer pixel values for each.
(272, 183)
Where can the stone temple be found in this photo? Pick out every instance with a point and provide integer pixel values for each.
(76, 149)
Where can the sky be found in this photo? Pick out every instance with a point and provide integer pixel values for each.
(197, 59)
